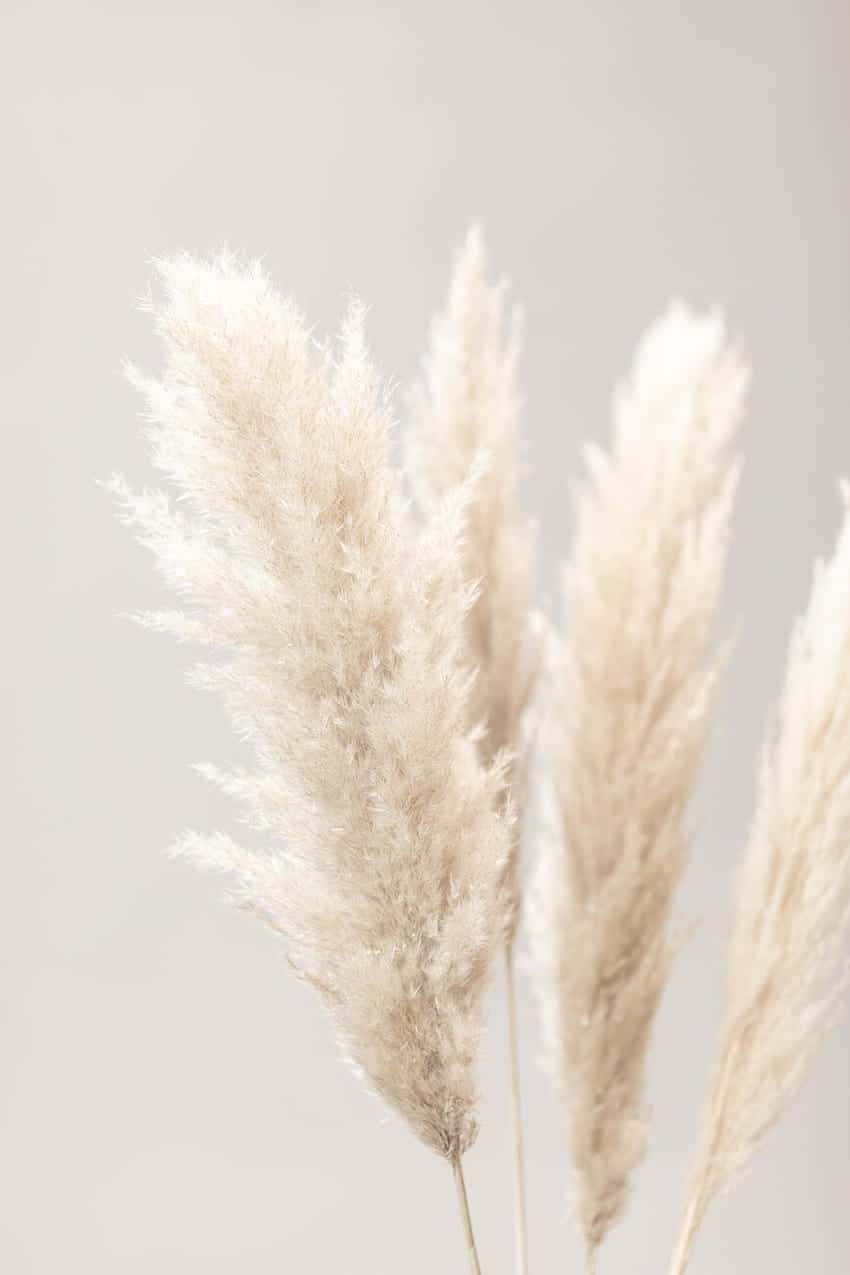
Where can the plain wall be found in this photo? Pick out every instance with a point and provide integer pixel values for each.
(171, 1100)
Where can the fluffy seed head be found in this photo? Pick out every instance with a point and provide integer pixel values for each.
(337, 641)
(466, 431)
(634, 684)
(792, 899)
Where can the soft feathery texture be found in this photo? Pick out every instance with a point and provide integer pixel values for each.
(792, 900)
(466, 431)
(342, 635)
(633, 685)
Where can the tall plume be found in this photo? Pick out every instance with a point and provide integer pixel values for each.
(342, 636)
(466, 431)
(634, 681)
(792, 904)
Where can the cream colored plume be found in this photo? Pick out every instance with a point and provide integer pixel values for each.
(634, 682)
(792, 902)
(466, 430)
(343, 636)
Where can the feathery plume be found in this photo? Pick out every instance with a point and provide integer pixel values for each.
(466, 431)
(792, 900)
(634, 685)
(342, 638)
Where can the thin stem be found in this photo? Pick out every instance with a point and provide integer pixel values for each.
(700, 1191)
(683, 1246)
(520, 1224)
(463, 1204)
(590, 1262)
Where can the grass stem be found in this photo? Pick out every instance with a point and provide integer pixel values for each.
(520, 1223)
(463, 1204)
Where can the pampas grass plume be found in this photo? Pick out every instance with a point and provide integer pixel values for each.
(634, 681)
(466, 432)
(792, 900)
(341, 639)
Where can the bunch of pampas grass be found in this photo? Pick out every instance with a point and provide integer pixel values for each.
(384, 664)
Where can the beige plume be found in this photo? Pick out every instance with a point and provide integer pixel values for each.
(342, 635)
(466, 432)
(634, 680)
(792, 901)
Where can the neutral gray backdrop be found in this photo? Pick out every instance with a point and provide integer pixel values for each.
(171, 1101)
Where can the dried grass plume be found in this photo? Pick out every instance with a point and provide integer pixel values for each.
(634, 682)
(342, 641)
(792, 901)
(466, 431)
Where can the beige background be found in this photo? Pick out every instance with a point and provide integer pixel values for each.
(171, 1101)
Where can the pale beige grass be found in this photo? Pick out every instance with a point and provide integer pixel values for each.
(792, 902)
(633, 688)
(466, 432)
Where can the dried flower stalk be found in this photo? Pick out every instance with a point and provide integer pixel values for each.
(343, 634)
(792, 901)
(633, 691)
(466, 431)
